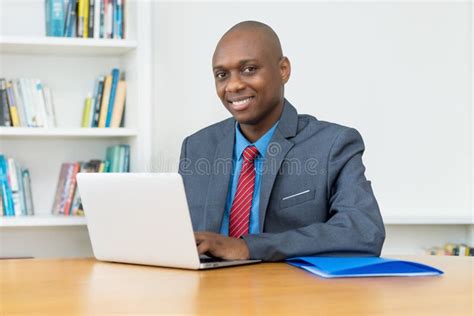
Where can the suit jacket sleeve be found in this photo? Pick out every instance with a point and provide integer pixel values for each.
(354, 227)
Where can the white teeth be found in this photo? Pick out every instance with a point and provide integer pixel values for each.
(241, 102)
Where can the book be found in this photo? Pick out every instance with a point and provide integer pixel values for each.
(4, 109)
(19, 103)
(60, 188)
(98, 101)
(15, 118)
(85, 34)
(105, 101)
(86, 113)
(55, 17)
(113, 89)
(50, 110)
(14, 186)
(71, 187)
(119, 104)
(28, 192)
(40, 105)
(90, 31)
(6, 192)
(97, 9)
(102, 19)
(118, 19)
(109, 18)
(80, 18)
(356, 267)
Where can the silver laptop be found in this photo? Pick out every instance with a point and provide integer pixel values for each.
(142, 218)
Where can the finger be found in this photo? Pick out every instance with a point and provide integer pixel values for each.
(203, 247)
(199, 237)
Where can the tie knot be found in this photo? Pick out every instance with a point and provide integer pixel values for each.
(250, 153)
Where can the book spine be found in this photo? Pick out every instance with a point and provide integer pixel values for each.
(30, 92)
(50, 111)
(109, 18)
(70, 27)
(121, 159)
(105, 101)
(102, 19)
(5, 111)
(115, 78)
(80, 18)
(2, 210)
(30, 210)
(15, 119)
(86, 19)
(98, 101)
(72, 189)
(118, 19)
(126, 162)
(42, 120)
(76, 201)
(124, 19)
(56, 209)
(97, 9)
(47, 16)
(86, 112)
(12, 174)
(94, 103)
(119, 104)
(21, 189)
(67, 17)
(19, 103)
(22, 86)
(55, 17)
(6, 189)
(90, 32)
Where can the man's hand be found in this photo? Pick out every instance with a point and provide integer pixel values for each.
(221, 246)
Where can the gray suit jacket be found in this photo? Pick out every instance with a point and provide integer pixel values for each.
(314, 197)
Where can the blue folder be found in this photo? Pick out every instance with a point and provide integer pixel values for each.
(355, 267)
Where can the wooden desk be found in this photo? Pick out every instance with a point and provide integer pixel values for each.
(86, 286)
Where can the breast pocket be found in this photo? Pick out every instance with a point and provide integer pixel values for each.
(297, 198)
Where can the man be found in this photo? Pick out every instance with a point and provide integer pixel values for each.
(268, 183)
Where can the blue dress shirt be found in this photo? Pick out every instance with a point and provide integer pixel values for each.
(240, 144)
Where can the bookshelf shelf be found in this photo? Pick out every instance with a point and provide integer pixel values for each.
(67, 132)
(65, 46)
(42, 221)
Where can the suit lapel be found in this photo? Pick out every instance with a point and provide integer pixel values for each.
(220, 169)
(276, 152)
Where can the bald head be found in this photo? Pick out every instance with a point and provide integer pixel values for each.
(263, 34)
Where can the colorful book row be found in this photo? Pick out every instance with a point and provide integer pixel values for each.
(85, 18)
(106, 106)
(67, 200)
(15, 184)
(451, 249)
(26, 102)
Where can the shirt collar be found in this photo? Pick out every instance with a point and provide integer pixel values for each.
(262, 143)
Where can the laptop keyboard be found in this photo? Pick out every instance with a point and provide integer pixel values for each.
(210, 260)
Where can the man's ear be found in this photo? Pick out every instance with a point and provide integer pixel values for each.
(285, 69)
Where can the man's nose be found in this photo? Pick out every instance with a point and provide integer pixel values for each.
(234, 84)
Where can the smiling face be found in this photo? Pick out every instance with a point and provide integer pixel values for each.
(250, 72)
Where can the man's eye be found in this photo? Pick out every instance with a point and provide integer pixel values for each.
(220, 75)
(249, 69)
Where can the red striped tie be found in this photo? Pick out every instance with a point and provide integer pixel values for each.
(240, 211)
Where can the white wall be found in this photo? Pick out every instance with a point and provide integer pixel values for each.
(398, 72)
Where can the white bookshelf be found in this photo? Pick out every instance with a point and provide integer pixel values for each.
(12, 132)
(65, 46)
(69, 67)
(42, 221)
